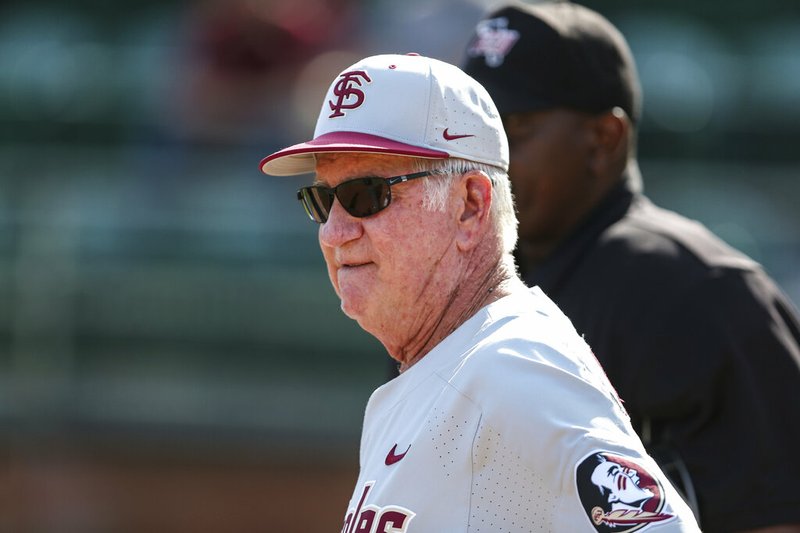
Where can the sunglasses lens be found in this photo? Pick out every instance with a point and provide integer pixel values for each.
(317, 202)
(363, 197)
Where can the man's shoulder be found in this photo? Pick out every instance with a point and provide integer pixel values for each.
(530, 349)
(665, 239)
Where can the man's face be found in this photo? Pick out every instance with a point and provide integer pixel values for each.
(550, 171)
(390, 270)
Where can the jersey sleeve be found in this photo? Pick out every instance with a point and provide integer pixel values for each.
(542, 434)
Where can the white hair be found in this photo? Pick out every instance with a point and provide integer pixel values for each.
(437, 189)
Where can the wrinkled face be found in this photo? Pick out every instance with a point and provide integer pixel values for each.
(549, 171)
(390, 270)
(622, 484)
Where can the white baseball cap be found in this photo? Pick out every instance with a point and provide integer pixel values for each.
(406, 105)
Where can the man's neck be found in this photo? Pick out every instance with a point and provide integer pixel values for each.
(474, 293)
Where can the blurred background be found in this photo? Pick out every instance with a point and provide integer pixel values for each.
(172, 357)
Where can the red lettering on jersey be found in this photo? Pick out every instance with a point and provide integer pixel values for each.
(396, 519)
(365, 521)
(351, 519)
(374, 519)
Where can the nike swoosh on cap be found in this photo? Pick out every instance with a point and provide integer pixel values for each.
(451, 137)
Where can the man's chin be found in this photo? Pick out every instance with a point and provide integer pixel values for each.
(351, 310)
(363, 318)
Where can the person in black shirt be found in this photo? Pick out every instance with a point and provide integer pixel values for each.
(701, 344)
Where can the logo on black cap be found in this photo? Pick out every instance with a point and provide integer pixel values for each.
(493, 40)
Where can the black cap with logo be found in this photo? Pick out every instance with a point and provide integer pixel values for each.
(557, 54)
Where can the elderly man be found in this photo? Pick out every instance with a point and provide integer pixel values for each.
(501, 415)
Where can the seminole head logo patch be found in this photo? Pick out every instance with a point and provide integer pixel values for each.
(618, 494)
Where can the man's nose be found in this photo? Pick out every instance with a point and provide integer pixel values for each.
(340, 227)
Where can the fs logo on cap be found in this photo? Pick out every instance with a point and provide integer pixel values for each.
(493, 40)
(618, 494)
(345, 91)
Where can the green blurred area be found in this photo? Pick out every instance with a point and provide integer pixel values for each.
(151, 278)
(155, 287)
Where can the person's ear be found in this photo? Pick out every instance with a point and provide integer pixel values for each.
(611, 131)
(475, 195)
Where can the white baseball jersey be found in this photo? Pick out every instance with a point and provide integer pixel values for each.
(508, 425)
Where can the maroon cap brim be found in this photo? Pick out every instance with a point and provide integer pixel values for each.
(299, 159)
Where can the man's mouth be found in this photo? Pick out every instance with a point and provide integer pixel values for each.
(354, 264)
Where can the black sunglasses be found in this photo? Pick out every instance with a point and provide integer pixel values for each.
(361, 197)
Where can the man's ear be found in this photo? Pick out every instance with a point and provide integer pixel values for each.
(611, 136)
(475, 190)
